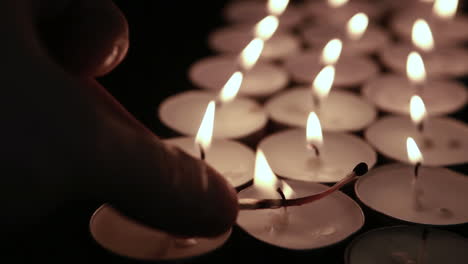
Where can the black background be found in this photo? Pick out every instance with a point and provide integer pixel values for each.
(165, 38)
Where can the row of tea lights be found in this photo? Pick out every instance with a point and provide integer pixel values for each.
(302, 154)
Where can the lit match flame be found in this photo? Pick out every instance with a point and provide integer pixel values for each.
(417, 110)
(414, 154)
(277, 7)
(415, 69)
(265, 179)
(323, 82)
(357, 25)
(445, 9)
(231, 88)
(314, 131)
(205, 132)
(337, 3)
(266, 27)
(421, 36)
(251, 53)
(331, 52)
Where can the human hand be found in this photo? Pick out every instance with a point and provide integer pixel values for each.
(66, 138)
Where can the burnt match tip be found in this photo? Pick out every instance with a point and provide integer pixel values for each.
(361, 169)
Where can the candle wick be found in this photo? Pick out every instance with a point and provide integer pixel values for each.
(316, 102)
(281, 193)
(416, 170)
(202, 152)
(420, 127)
(315, 148)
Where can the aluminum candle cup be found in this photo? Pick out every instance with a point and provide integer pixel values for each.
(125, 237)
(310, 226)
(262, 80)
(444, 140)
(392, 93)
(350, 71)
(340, 111)
(441, 194)
(233, 160)
(404, 244)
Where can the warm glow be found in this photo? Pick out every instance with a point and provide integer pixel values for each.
(415, 69)
(266, 27)
(231, 88)
(205, 132)
(277, 7)
(323, 82)
(357, 25)
(417, 109)
(445, 9)
(265, 179)
(421, 35)
(332, 51)
(251, 53)
(337, 3)
(314, 130)
(414, 154)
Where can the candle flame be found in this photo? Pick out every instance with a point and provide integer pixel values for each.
(314, 130)
(265, 179)
(251, 53)
(414, 154)
(417, 109)
(323, 82)
(337, 3)
(266, 27)
(357, 25)
(445, 9)
(421, 35)
(277, 7)
(231, 88)
(332, 51)
(205, 132)
(415, 69)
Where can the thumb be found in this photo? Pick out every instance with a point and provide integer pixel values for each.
(154, 183)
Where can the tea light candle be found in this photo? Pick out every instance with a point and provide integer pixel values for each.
(250, 12)
(440, 192)
(341, 111)
(448, 27)
(125, 237)
(262, 80)
(351, 71)
(448, 139)
(335, 217)
(233, 39)
(357, 38)
(233, 160)
(338, 12)
(237, 119)
(407, 244)
(291, 157)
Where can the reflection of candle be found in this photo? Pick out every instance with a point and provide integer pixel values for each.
(389, 190)
(284, 227)
(125, 237)
(403, 245)
(449, 139)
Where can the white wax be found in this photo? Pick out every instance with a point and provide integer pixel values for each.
(442, 62)
(318, 35)
(340, 111)
(398, 243)
(445, 33)
(288, 156)
(311, 226)
(442, 194)
(449, 139)
(240, 118)
(392, 93)
(323, 13)
(234, 39)
(251, 12)
(230, 158)
(123, 236)
(263, 79)
(350, 71)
